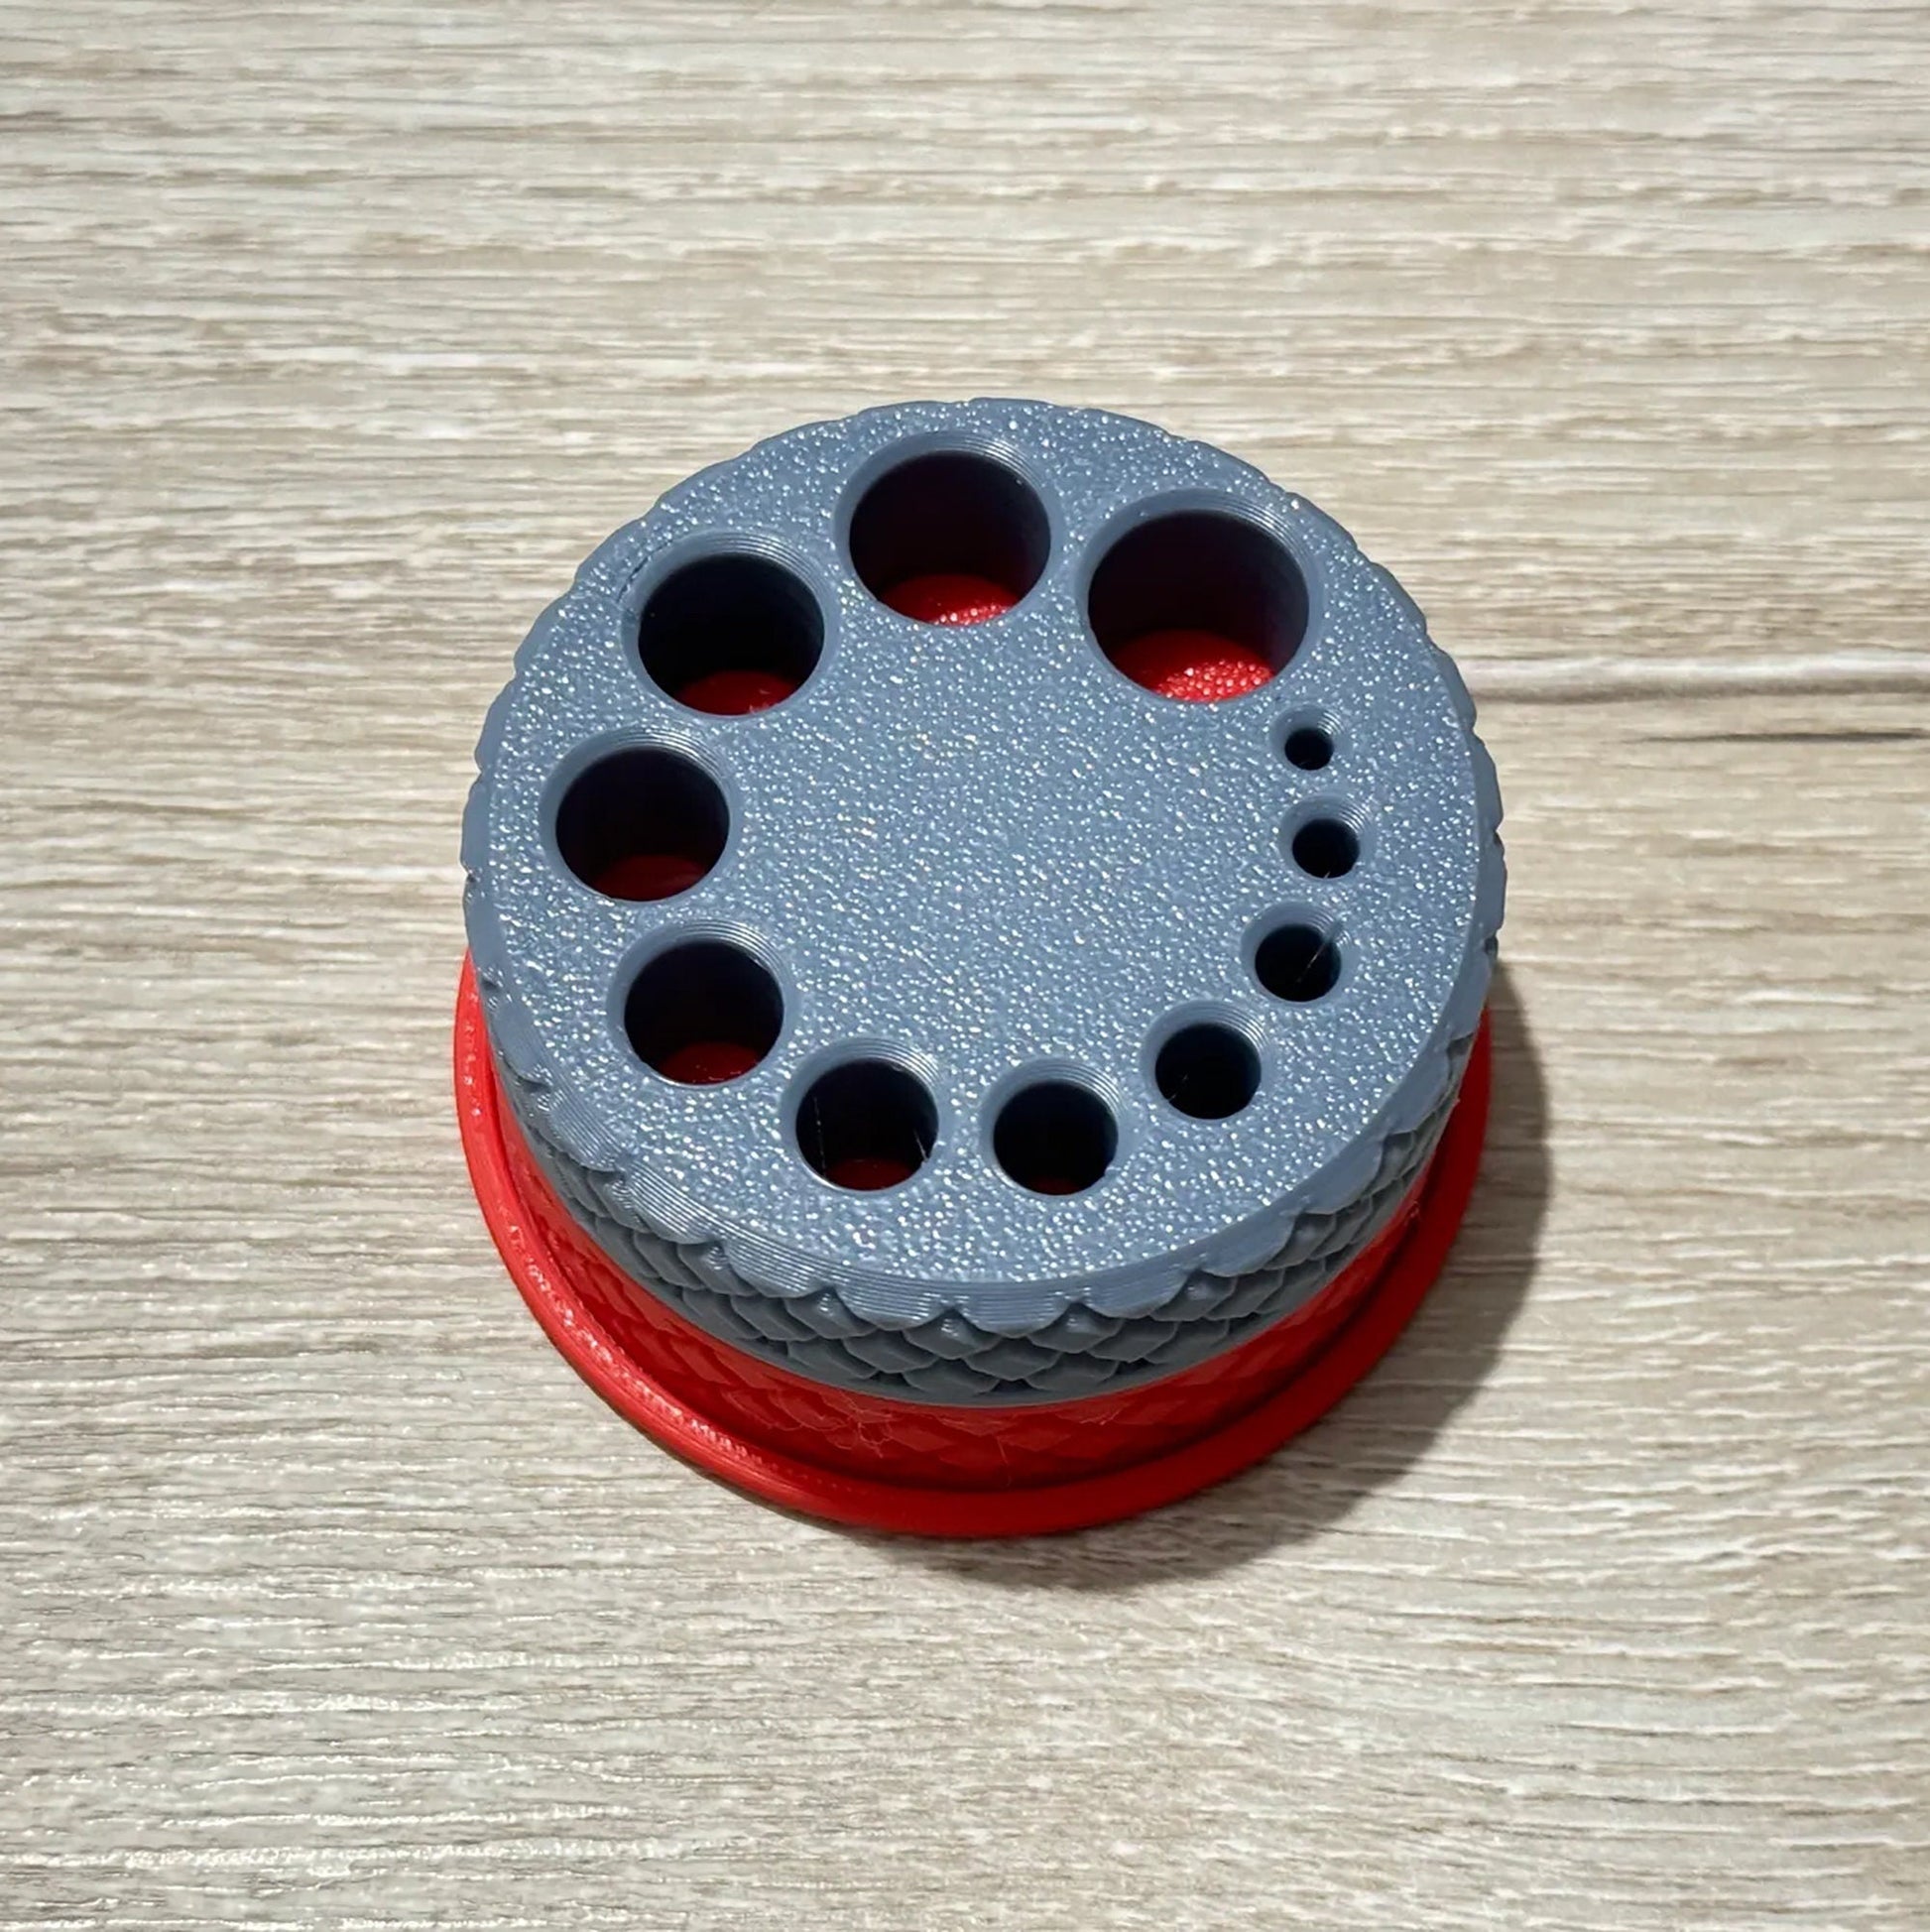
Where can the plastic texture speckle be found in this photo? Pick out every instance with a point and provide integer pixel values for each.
(900, 979)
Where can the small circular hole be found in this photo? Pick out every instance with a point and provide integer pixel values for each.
(1310, 747)
(704, 1013)
(1296, 962)
(1198, 605)
(867, 1125)
(642, 823)
(1055, 1138)
(1326, 848)
(951, 537)
(730, 635)
(1208, 1070)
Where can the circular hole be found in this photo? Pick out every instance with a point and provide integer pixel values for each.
(867, 1125)
(1297, 962)
(703, 1012)
(1055, 1138)
(1326, 848)
(1310, 747)
(1208, 1070)
(1198, 605)
(949, 539)
(730, 635)
(642, 823)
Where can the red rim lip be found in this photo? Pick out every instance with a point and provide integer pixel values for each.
(627, 1386)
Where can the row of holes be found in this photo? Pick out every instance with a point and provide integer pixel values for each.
(1197, 605)
(707, 1012)
(647, 823)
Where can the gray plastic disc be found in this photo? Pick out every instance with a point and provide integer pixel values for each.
(1147, 1013)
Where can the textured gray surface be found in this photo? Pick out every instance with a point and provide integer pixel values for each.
(331, 1596)
(985, 850)
(948, 1358)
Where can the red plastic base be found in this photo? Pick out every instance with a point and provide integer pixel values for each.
(921, 1467)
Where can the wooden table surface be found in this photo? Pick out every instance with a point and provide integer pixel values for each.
(331, 336)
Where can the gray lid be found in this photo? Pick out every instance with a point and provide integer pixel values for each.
(981, 857)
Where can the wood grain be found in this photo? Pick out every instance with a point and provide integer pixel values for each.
(331, 336)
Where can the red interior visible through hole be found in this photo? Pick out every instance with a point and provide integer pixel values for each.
(866, 1174)
(950, 597)
(1197, 667)
(708, 1062)
(736, 693)
(650, 875)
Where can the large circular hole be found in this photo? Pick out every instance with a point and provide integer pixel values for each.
(703, 1012)
(1326, 848)
(1055, 1138)
(1208, 1070)
(1198, 605)
(867, 1125)
(1296, 961)
(951, 537)
(642, 823)
(730, 635)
